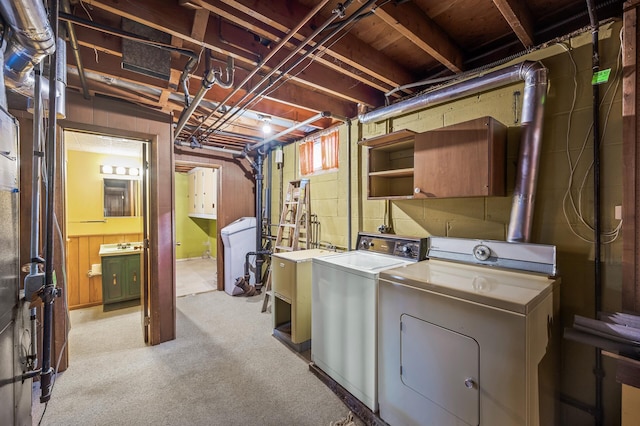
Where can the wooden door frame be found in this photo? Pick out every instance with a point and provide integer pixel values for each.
(631, 160)
(193, 164)
(122, 119)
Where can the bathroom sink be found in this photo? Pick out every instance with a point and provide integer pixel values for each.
(119, 249)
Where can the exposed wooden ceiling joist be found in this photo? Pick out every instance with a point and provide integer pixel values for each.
(519, 19)
(411, 22)
(387, 44)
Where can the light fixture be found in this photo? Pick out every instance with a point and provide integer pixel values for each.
(266, 126)
(120, 170)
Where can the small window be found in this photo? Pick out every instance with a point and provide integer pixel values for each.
(320, 154)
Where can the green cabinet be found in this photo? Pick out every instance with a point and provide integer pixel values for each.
(120, 278)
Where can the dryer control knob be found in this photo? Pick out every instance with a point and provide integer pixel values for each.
(481, 252)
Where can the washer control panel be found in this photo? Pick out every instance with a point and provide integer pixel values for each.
(405, 247)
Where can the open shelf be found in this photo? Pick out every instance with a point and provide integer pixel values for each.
(408, 172)
(461, 160)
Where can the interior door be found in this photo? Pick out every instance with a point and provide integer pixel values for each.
(144, 282)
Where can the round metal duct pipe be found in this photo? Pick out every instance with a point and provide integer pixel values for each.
(31, 38)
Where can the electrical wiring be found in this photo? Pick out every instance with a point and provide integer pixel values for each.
(568, 199)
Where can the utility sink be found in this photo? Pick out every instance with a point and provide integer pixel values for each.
(119, 249)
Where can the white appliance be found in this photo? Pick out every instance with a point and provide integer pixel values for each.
(344, 306)
(461, 343)
(238, 239)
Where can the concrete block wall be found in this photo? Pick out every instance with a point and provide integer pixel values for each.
(488, 217)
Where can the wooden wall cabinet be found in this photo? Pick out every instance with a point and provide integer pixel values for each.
(462, 160)
(203, 192)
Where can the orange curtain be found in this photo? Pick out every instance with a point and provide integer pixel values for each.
(305, 151)
(330, 148)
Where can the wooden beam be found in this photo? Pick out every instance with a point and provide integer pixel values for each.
(301, 96)
(244, 48)
(350, 55)
(519, 19)
(410, 21)
(200, 21)
(174, 75)
(308, 73)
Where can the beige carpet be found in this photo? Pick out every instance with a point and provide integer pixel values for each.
(224, 368)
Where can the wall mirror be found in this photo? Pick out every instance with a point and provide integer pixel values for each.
(121, 197)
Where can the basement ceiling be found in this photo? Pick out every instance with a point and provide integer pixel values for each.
(294, 60)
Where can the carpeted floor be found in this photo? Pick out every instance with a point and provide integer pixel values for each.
(224, 368)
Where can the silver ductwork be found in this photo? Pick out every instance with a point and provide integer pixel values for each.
(534, 75)
(30, 40)
(61, 78)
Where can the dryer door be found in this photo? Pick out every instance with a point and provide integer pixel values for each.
(441, 365)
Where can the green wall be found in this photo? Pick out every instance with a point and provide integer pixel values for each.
(191, 233)
(488, 217)
(84, 195)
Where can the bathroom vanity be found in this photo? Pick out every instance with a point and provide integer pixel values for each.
(120, 274)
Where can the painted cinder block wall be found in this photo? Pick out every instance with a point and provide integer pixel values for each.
(488, 217)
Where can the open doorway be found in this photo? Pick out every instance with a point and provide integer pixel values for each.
(106, 212)
(196, 227)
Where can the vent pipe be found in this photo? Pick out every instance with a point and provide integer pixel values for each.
(30, 40)
(534, 75)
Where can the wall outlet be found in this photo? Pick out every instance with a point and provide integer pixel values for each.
(618, 212)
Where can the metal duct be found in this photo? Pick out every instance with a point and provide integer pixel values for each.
(61, 79)
(211, 148)
(534, 75)
(31, 39)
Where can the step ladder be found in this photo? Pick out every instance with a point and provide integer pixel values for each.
(294, 230)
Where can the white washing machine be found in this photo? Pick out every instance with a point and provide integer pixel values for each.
(461, 343)
(344, 307)
(238, 239)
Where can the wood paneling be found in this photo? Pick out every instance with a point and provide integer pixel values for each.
(82, 252)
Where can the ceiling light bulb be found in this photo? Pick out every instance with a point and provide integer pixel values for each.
(107, 170)
(121, 170)
(266, 128)
(133, 171)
